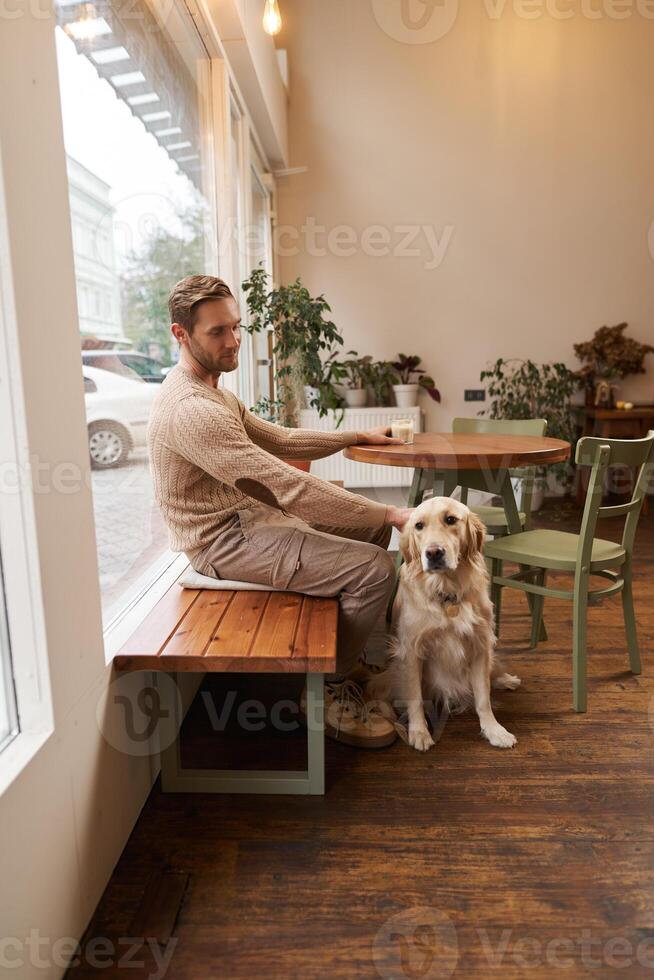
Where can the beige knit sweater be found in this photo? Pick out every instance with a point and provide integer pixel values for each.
(210, 457)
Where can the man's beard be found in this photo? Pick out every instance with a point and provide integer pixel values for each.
(213, 366)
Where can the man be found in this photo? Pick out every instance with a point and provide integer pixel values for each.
(239, 511)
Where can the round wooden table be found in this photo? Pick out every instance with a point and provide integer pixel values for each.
(441, 461)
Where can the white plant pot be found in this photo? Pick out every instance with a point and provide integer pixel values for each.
(406, 396)
(310, 394)
(537, 493)
(356, 397)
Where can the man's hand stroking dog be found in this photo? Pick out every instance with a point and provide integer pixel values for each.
(443, 623)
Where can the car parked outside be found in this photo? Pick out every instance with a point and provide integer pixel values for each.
(127, 362)
(117, 414)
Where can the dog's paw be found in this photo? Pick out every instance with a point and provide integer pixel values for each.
(420, 739)
(506, 682)
(499, 737)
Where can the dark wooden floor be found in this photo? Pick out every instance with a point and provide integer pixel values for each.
(466, 861)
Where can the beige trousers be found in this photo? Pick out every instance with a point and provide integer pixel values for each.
(271, 548)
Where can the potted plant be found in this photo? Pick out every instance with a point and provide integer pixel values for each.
(272, 410)
(352, 375)
(405, 389)
(609, 355)
(380, 378)
(521, 389)
(304, 342)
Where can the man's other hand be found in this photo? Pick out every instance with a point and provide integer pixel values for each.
(377, 437)
(397, 516)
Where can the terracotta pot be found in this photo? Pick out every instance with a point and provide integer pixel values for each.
(300, 464)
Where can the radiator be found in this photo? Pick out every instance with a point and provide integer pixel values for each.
(360, 474)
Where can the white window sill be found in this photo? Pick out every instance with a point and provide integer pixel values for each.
(20, 751)
(153, 586)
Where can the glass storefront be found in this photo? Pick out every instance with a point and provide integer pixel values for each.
(135, 98)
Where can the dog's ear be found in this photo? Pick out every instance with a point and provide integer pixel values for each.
(408, 548)
(475, 536)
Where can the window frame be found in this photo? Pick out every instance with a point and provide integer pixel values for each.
(18, 541)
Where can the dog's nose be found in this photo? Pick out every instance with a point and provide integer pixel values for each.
(435, 555)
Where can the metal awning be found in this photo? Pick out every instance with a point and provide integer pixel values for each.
(128, 47)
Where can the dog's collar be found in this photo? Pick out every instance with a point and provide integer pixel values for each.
(451, 602)
(448, 597)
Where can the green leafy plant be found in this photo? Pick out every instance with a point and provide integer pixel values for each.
(610, 355)
(408, 366)
(381, 377)
(163, 257)
(521, 389)
(304, 340)
(269, 409)
(353, 372)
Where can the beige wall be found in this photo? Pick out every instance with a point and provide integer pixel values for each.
(530, 140)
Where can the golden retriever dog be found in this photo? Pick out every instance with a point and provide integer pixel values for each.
(443, 623)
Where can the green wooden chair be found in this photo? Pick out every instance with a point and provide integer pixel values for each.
(495, 518)
(582, 554)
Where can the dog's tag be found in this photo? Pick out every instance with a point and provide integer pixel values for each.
(452, 610)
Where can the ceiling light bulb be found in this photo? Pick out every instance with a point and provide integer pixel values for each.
(89, 26)
(272, 18)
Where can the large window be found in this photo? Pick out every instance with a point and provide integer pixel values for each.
(135, 92)
(261, 254)
(239, 238)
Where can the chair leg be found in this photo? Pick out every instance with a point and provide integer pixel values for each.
(630, 622)
(537, 610)
(579, 652)
(542, 632)
(496, 592)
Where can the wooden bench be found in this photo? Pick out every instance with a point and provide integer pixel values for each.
(207, 631)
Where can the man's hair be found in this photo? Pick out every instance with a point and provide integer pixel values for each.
(188, 293)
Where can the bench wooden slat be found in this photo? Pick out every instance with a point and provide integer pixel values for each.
(196, 631)
(157, 628)
(239, 625)
(209, 630)
(276, 636)
(316, 632)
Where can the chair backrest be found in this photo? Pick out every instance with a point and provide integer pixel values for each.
(637, 454)
(507, 427)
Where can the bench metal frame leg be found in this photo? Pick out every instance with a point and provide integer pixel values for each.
(175, 779)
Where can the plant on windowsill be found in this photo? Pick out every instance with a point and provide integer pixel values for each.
(521, 389)
(304, 342)
(609, 356)
(352, 374)
(406, 388)
(380, 378)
